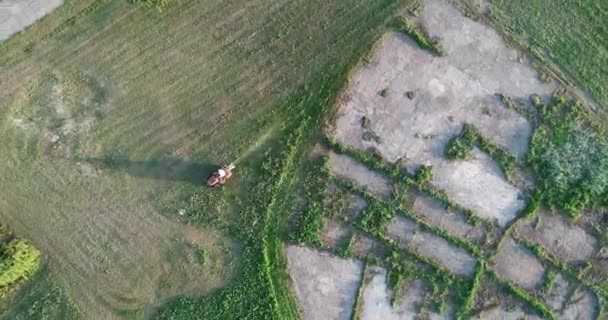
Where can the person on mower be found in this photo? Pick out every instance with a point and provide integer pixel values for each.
(221, 173)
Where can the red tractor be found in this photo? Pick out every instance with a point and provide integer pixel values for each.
(220, 176)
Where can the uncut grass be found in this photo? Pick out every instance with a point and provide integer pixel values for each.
(571, 34)
(206, 76)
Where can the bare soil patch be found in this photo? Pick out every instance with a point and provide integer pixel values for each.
(376, 300)
(348, 168)
(326, 286)
(558, 236)
(449, 91)
(434, 212)
(366, 247)
(356, 206)
(335, 234)
(492, 302)
(515, 263)
(408, 234)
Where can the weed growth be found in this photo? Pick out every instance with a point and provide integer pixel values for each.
(383, 93)
(424, 175)
(19, 261)
(432, 45)
(569, 156)
(460, 147)
(469, 292)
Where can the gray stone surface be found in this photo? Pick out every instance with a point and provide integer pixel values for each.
(347, 167)
(434, 213)
(516, 264)
(325, 286)
(376, 300)
(16, 15)
(409, 236)
(582, 306)
(558, 237)
(449, 91)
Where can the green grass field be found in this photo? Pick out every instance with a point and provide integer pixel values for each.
(570, 34)
(112, 114)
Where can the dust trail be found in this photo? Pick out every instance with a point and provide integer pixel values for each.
(261, 140)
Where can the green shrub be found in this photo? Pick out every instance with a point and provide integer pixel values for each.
(532, 205)
(377, 215)
(572, 167)
(424, 174)
(19, 261)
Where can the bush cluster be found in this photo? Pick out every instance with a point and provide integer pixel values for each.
(569, 158)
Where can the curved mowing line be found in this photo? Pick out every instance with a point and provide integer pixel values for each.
(271, 227)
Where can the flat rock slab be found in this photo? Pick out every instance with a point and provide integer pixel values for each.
(505, 312)
(479, 185)
(348, 168)
(434, 213)
(516, 264)
(16, 15)
(582, 306)
(558, 237)
(325, 286)
(409, 236)
(449, 91)
(376, 299)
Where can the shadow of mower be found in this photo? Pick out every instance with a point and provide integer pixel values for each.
(170, 169)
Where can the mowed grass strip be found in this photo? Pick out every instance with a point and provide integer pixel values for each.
(570, 34)
(158, 98)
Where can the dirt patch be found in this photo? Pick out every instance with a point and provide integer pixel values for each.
(449, 91)
(356, 206)
(516, 264)
(348, 168)
(435, 214)
(335, 234)
(558, 236)
(365, 246)
(376, 300)
(409, 236)
(326, 286)
(16, 15)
